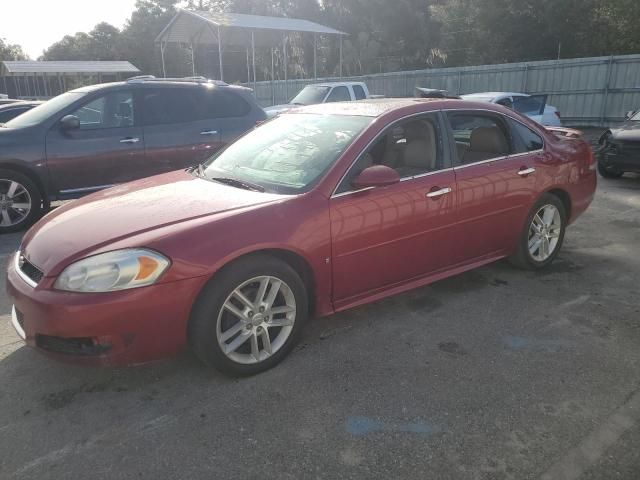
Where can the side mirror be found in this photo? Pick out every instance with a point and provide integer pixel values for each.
(376, 176)
(630, 114)
(69, 122)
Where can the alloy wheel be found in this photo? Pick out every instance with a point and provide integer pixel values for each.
(256, 320)
(15, 203)
(544, 232)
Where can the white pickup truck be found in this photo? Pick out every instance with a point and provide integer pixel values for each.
(324, 93)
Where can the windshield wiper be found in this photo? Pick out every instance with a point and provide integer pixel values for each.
(238, 183)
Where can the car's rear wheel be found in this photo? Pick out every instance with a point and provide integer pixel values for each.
(542, 237)
(607, 172)
(20, 201)
(248, 317)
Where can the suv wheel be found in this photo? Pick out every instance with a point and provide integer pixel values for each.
(606, 172)
(20, 201)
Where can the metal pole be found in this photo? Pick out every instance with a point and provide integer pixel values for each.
(164, 70)
(248, 68)
(603, 114)
(46, 86)
(59, 84)
(315, 56)
(6, 89)
(193, 61)
(253, 58)
(220, 55)
(284, 49)
(273, 92)
(525, 78)
(459, 81)
(340, 56)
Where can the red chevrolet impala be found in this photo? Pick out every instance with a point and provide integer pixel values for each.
(319, 210)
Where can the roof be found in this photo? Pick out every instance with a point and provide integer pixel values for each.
(31, 67)
(374, 107)
(189, 26)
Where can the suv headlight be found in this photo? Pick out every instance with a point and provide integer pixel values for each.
(117, 270)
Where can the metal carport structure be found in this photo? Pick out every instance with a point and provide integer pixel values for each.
(240, 30)
(28, 72)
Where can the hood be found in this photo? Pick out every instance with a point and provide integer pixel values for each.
(82, 226)
(628, 132)
(276, 109)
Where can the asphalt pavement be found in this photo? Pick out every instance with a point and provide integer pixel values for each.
(494, 374)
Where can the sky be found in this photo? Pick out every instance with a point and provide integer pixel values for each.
(36, 24)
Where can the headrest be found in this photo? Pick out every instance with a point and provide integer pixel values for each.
(488, 139)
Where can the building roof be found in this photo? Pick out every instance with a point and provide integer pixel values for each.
(30, 67)
(190, 26)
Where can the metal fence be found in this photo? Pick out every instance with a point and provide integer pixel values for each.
(588, 91)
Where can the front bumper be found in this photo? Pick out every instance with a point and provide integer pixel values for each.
(114, 328)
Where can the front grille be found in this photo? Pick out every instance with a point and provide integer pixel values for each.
(30, 270)
(81, 346)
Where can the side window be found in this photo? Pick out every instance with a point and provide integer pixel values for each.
(339, 94)
(223, 104)
(532, 105)
(163, 106)
(112, 110)
(358, 91)
(526, 140)
(411, 147)
(505, 102)
(479, 137)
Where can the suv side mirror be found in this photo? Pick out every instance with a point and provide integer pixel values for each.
(376, 176)
(69, 122)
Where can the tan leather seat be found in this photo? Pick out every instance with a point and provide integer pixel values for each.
(486, 143)
(420, 153)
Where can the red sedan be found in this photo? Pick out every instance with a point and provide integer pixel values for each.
(319, 210)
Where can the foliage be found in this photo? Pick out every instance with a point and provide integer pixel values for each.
(11, 52)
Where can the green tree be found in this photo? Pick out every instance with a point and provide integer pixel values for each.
(10, 51)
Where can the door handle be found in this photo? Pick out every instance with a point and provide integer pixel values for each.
(130, 140)
(523, 172)
(438, 193)
(209, 132)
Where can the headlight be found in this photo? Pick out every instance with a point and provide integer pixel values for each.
(117, 270)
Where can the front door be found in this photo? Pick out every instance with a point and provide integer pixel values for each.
(107, 149)
(390, 235)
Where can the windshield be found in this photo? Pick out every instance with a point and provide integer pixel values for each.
(636, 117)
(44, 111)
(310, 95)
(289, 153)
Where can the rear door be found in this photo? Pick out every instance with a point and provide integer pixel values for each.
(388, 236)
(496, 182)
(180, 130)
(107, 149)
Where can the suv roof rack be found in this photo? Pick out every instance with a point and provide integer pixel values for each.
(196, 79)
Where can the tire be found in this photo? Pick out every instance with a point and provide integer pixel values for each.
(607, 173)
(243, 322)
(18, 189)
(553, 234)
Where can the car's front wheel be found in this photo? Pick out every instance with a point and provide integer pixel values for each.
(249, 316)
(20, 201)
(542, 237)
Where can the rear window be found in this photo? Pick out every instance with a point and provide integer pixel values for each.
(358, 91)
(225, 104)
(162, 106)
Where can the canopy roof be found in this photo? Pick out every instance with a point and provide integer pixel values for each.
(200, 27)
(35, 68)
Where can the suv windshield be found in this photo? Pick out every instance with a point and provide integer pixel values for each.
(44, 111)
(310, 95)
(287, 154)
